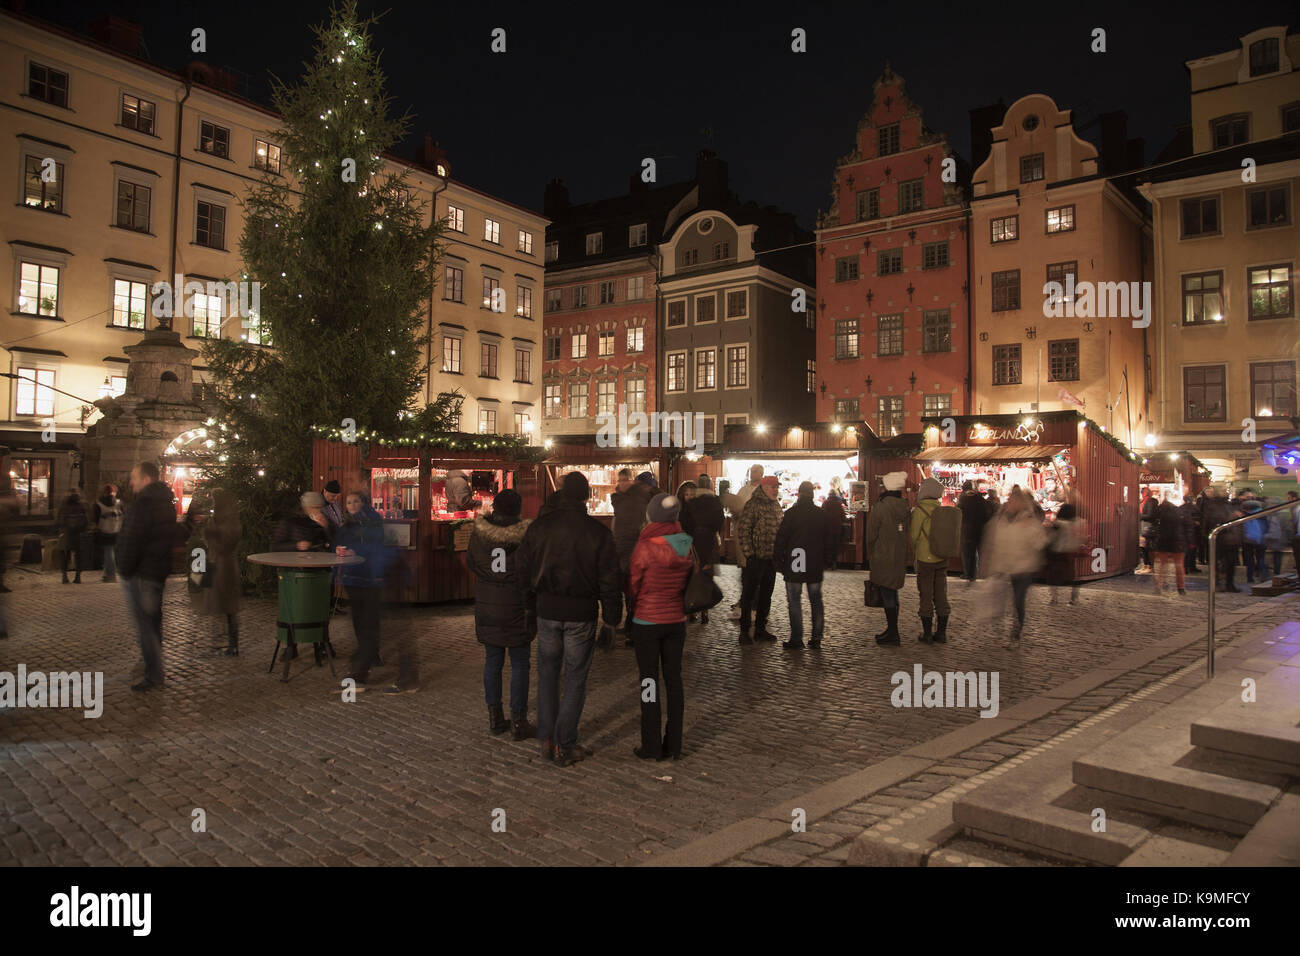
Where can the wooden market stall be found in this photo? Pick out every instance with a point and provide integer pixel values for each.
(601, 466)
(1177, 473)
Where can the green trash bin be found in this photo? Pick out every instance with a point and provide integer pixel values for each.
(305, 603)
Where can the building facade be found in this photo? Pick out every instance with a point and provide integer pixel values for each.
(1059, 257)
(1225, 334)
(893, 336)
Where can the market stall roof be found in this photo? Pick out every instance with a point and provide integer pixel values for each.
(991, 453)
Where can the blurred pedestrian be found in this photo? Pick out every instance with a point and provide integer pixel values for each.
(705, 510)
(71, 522)
(835, 511)
(1293, 498)
(362, 535)
(975, 511)
(1277, 539)
(887, 549)
(661, 566)
(106, 517)
(8, 512)
(735, 503)
(1170, 543)
(145, 551)
(1192, 528)
(500, 618)
(335, 513)
(1253, 550)
(755, 539)
(222, 534)
(1016, 540)
(804, 546)
(1215, 511)
(1146, 526)
(936, 529)
(1065, 540)
(629, 500)
(306, 529)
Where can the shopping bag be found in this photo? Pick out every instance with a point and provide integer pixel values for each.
(872, 594)
(702, 592)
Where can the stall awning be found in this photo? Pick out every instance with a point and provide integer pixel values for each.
(991, 453)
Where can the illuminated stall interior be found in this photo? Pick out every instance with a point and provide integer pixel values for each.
(1046, 472)
(825, 473)
(181, 471)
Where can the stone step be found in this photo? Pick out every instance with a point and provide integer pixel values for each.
(1266, 729)
(1275, 840)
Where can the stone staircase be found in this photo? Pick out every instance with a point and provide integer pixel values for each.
(1186, 774)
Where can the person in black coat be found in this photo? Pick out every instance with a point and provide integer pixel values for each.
(975, 512)
(145, 551)
(305, 530)
(72, 521)
(835, 512)
(362, 534)
(1192, 529)
(1169, 543)
(805, 545)
(500, 619)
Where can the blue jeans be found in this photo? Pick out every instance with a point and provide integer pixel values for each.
(144, 604)
(494, 660)
(570, 642)
(110, 563)
(794, 598)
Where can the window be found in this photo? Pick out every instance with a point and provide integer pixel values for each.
(889, 415)
(1272, 389)
(553, 348)
(523, 302)
(1269, 206)
(934, 255)
(1031, 168)
(38, 289)
(579, 296)
(525, 242)
(636, 287)
(738, 304)
(1200, 216)
(253, 333)
(1060, 219)
(812, 376)
(210, 225)
(454, 287)
(492, 231)
(578, 400)
(676, 313)
(1264, 56)
(846, 338)
(636, 235)
(1291, 118)
(1006, 290)
(737, 366)
(710, 432)
(887, 138)
(31, 484)
(118, 385)
(455, 218)
(578, 345)
(1004, 229)
(606, 397)
(936, 331)
(35, 391)
(487, 421)
(451, 346)
(595, 243)
(1063, 360)
(129, 301)
(721, 250)
(1270, 292)
(1203, 394)
(523, 423)
(490, 287)
(207, 315)
(846, 409)
(889, 262)
(47, 84)
(868, 204)
(266, 156)
(214, 139)
(676, 381)
(1006, 365)
(1202, 298)
(605, 344)
(634, 394)
(133, 202)
(735, 420)
(39, 194)
(1058, 271)
(636, 339)
(935, 406)
(706, 310)
(1229, 130)
(487, 360)
(889, 335)
(691, 257)
(911, 196)
(554, 300)
(606, 291)
(846, 269)
(554, 401)
(706, 369)
(552, 251)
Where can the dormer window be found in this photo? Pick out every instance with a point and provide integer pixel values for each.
(1264, 57)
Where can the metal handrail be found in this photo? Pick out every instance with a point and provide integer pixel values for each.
(1214, 568)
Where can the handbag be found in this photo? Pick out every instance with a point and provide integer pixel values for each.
(872, 594)
(702, 592)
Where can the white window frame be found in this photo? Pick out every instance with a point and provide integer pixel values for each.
(668, 307)
(20, 365)
(132, 281)
(149, 181)
(204, 196)
(45, 260)
(603, 336)
(598, 247)
(628, 382)
(558, 400)
(523, 301)
(695, 368)
(574, 339)
(525, 242)
(528, 351)
(455, 218)
(738, 419)
(209, 304)
(704, 421)
(484, 409)
(555, 296)
(636, 291)
(264, 165)
(459, 336)
(217, 124)
(638, 235)
(47, 64)
(686, 371)
(585, 385)
(492, 230)
(726, 293)
(609, 385)
(637, 332)
(30, 147)
(726, 348)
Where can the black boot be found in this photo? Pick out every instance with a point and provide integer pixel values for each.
(520, 728)
(941, 635)
(927, 623)
(497, 719)
(890, 635)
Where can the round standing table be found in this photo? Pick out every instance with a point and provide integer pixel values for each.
(305, 583)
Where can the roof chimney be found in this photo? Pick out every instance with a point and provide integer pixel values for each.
(556, 200)
(711, 177)
(432, 156)
(121, 34)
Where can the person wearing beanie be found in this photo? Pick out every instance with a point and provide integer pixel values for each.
(567, 567)
(886, 547)
(804, 546)
(305, 530)
(932, 568)
(648, 479)
(629, 501)
(500, 617)
(756, 538)
(661, 566)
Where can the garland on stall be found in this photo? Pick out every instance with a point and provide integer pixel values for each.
(511, 446)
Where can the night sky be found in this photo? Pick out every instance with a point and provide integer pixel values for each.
(585, 91)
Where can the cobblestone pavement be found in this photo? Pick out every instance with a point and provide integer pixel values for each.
(289, 774)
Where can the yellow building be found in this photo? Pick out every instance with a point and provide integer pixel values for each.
(128, 174)
(1224, 336)
(1057, 252)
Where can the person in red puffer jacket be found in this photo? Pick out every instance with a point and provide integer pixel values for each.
(661, 564)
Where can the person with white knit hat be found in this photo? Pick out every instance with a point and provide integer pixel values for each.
(887, 549)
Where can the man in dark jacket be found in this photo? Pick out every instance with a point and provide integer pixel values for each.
(804, 546)
(974, 515)
(145, 548)
(1192, 532)
(72, 522)
(833, 507)
(629, 499)
(705, 514)
(1170, 543)
(1217, 510)
(567, 566)
(756, 530)
(305, 530)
